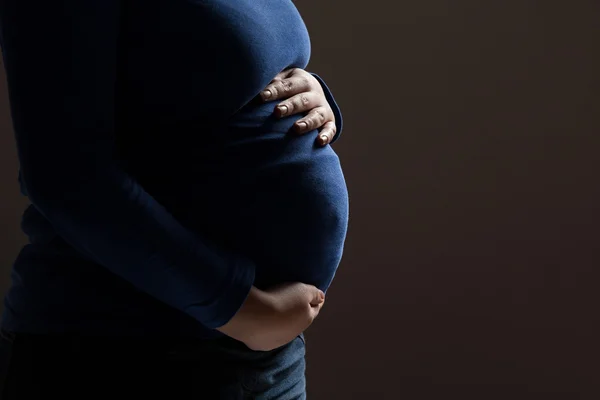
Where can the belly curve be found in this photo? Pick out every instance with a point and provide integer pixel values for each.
(288, 210)
(257, 189)
(298, 216)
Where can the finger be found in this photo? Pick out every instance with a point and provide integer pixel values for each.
(299, 103)
(317, 297)
(315, 119)
(327, 133)
(287, 87)
(314, 311)
(284, 74)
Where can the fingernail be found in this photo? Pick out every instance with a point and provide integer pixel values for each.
(302, 125)
(266, 94)
(321, 296)
(324, 138)
(283, 109)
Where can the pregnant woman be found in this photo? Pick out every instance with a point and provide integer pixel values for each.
(181, 236)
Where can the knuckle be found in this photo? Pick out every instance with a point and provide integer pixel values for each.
(309, 123)
(287, 85)
(305, 81)
(273, 89)
(320, 116)
(304, 100)
(290, 106)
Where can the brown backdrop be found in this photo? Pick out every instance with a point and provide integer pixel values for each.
(470, 151)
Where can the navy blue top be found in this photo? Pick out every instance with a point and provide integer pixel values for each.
(161, 188)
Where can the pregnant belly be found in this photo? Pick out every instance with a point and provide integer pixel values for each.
(297, 212)
(273, 196)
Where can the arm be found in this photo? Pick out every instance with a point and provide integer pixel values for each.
(61, 62)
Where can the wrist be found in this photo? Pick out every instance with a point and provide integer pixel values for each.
(253, 313)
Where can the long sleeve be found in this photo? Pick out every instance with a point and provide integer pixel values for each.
(61, 64)
(339, 122)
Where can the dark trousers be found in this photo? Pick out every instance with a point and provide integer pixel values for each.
(62, 367)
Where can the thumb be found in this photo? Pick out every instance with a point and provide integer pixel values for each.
(317, 297)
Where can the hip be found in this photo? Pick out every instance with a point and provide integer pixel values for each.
(75, 366)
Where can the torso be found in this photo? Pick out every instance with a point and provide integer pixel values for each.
(175, 52)
(280, 200)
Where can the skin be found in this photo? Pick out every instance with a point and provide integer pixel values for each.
(271, 318)
(302, 93)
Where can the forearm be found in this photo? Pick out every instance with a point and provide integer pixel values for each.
(61, 64)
